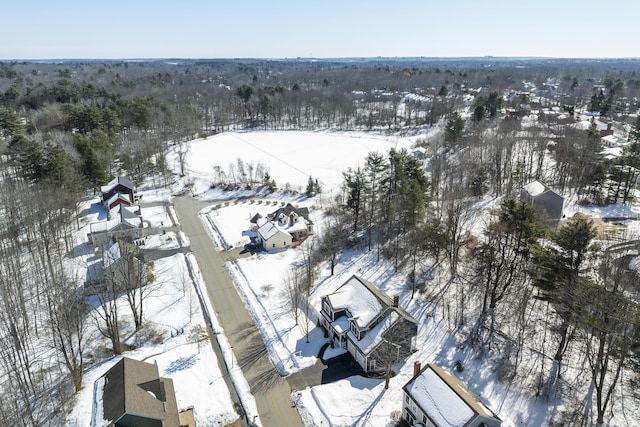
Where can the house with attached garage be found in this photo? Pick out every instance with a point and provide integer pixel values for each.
(434, 397)
(294, 220)
(370, 325)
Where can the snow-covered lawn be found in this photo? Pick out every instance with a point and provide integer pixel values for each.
(148, 193)
(328, 404)
(162, 241)
(172, 311)
(157, 216)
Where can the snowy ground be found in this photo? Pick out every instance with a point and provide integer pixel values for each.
(156, 217)
(260, 281)
(292, 157)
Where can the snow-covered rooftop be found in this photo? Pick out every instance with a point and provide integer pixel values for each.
(116, 196)
(446, 399)
(443, 405)
(535, 188)
(355, 297)
(118, 215)
(114, 182)
(268, 230)
(111, 253)
(341, 324)
(376, 334)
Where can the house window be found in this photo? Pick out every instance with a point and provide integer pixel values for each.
(424, 419)
(355, 330)
(274, 245)
(284, 243)
(326, 308)
(406, 398)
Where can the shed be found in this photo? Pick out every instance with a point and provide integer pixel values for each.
(547, 203)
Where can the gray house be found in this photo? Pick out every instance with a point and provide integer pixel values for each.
(132, 393)
(369, 324)
(123, 222)
(547, 203)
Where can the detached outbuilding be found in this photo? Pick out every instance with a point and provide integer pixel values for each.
(547, 203)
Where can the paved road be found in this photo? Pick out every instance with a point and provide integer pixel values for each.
(272, 392)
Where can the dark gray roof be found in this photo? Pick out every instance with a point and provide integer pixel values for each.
(255, 218)
(135, 394)
(286, 210)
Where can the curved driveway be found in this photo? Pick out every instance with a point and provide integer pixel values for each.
(272, 392)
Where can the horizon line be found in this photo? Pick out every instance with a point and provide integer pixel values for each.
(312, 58)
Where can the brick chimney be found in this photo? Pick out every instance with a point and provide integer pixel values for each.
(417, 367)
(291, 219)
(395, 300)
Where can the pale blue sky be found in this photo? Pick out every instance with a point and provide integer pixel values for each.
(39, 29)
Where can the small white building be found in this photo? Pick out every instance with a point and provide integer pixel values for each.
(434, 397)
(271, 236)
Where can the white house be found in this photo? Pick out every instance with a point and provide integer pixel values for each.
(434, 397)
(271, 236)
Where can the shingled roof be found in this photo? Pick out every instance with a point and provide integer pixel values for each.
(133, 394)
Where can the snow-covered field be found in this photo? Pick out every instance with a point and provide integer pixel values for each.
(290, 156)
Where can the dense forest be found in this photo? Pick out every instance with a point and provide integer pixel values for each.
(67, 127)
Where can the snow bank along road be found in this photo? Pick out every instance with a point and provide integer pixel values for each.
(272, 392)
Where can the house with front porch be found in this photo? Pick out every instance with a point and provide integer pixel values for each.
(434, 397)
(368, 324)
